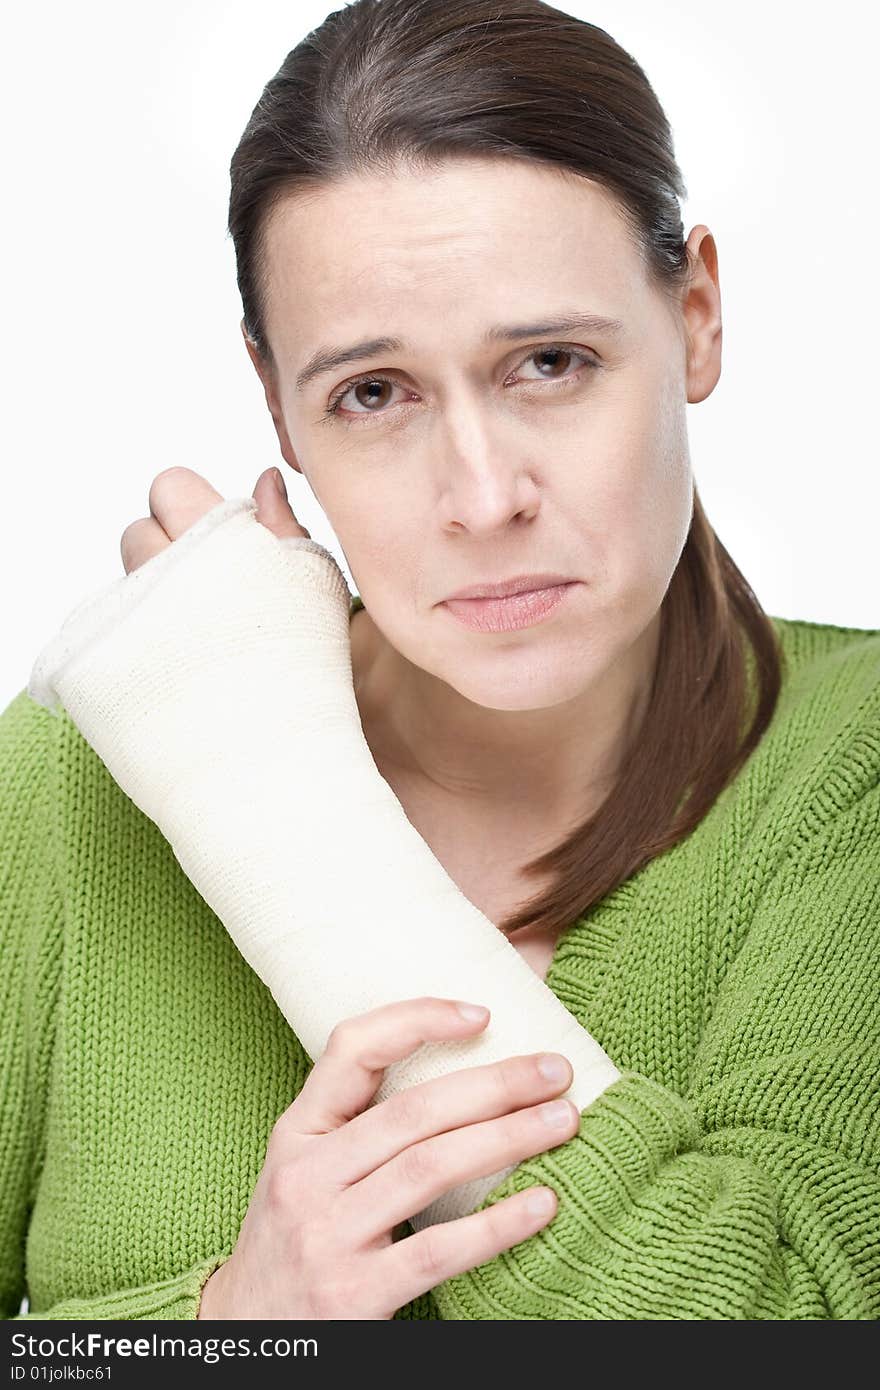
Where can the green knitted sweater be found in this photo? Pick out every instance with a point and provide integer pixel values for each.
(731, 1172)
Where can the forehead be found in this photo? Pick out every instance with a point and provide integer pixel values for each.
(447, 249)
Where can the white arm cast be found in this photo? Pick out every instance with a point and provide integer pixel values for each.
(172, 674)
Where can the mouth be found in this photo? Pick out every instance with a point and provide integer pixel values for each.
(511, 612)
(519, 584)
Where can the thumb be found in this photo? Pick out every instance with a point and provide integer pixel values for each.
(273, 509)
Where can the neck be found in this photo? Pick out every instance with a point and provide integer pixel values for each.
(557, 763)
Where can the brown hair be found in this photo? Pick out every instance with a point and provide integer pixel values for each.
(381, 83)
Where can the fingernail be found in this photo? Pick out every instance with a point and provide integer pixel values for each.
(474, 1013)
(540, 1201)
(279, 483)
(553, 1067)
(556, 1112)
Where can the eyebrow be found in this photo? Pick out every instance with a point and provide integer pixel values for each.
(330, 359)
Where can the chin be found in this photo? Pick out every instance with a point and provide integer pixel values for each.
(528, 684)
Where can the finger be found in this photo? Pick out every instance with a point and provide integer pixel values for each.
(140, 541)
(349, 1072)
(433, 1107)
(273, 508)
(420, 1262)
(423, 1172)
(179, 497)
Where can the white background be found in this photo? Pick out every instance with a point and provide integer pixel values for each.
(122, 352)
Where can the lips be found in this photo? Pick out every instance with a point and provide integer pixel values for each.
(509, 614)
(519, 584)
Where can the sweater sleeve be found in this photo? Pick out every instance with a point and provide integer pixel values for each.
(31, 951)
(756, 1193)
(170, 1299)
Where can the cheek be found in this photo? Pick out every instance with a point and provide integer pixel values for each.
(659, 524)
(672, 481)
(635, 495)
(385, 562)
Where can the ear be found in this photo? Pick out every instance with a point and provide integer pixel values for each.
(266, 373)
(701, 309)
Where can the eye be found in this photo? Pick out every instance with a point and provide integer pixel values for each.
(559, 352)
(381, 386)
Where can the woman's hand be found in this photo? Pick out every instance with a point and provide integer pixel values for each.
(318, 1241)
(179, 497)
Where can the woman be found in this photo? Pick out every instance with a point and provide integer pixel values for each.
(477, 323)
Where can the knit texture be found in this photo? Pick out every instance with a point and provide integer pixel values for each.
(731, 1172)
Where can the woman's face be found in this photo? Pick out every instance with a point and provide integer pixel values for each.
(486, 443)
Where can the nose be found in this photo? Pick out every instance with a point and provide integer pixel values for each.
(485, 481)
